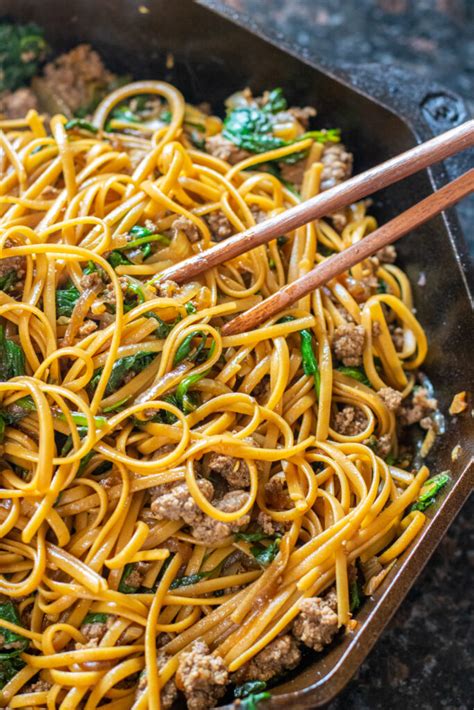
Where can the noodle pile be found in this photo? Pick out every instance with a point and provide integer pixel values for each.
(79, 466)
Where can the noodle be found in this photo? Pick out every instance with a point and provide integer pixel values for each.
(161, 484)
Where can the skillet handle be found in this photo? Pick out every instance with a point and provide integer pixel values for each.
(428, 107)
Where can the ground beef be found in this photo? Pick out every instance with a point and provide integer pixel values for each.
(189, 228)
(387, 255)
(261, 391)
(349, 421)
(92, 281)
(419, 407)
(222, 148)
(16, 264)
(258, 214)
(88, 327)
(202, 677)
(16, 104)
(381, 445)
(174, 501)
(270, 526)
(337, 165)
(235, 471)
(221, 228)
(282, 654)
(339, 220)
(302, 114)
(94, 632)
(137, 574)
(108, 295)
(348, 344)
(168, 693)
(316, 624)
(39, 686)
(276, 493)
(208, 529)
(390, 397)
(293, 172)
(167, 289)
(398, 337)
(77, 78)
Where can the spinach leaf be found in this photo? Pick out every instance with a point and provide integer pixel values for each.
(185, 349)
(275, 101)
(116, 258)
(12, 358)
(95, 618)
(251, 701)
(190, 307)
(266, 555)
(355, 596)
(11, 643)
(124, 587)
(8, 280)
(82, 124)
(23, 48)
(249, 688)
(357, 373)
(187, 580)
(123, 366)
(310, 364)
(430, 489)
(9, 667)
(164, 329)
(66, 299)
(185, 400)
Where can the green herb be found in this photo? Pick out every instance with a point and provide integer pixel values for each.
(184, 400)
(430, 490)
(82, 124)
(166, 116)
(281, 241)
(390, 460)
(190, 308)
(310, 364)
(123, 586)
(357, 373)
(251, 701)
(164, 329)
(184, 351)
(9, 667)
(66, 299)
(246, 689)
(115, 258)
(382, 287)
(121, 367)
(162, 415)
(355, 596)
(136, 290)
(275, 102)
(114, 407)
(8, 280)
(95, 618)
(187, 580)
(9, 612)
(266, 555)
(12, 358)
(251, 128)
(81, 420)
(23, 48)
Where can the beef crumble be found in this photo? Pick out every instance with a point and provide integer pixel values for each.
(281, 655)
(202, 677)
(348, 344)
(316, 624)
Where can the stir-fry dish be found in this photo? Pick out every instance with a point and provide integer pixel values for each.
(185, 516)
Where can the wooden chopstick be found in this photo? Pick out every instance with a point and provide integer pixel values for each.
(357, 187)
(337, 264)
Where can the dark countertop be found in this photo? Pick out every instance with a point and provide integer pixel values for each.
(424, 660)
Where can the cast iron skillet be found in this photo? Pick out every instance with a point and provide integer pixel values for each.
(381, 112)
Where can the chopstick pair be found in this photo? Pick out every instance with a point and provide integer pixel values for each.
(356, 188)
